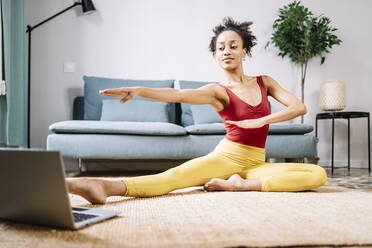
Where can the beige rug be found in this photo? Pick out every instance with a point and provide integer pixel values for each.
(330, 215)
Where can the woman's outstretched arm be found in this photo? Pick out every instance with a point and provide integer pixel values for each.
(204, 95)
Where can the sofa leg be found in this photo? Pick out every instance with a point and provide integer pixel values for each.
(302, 160)
(80, 164)
(294, 160)
(312, 160)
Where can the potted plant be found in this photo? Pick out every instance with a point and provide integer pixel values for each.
(302, 36)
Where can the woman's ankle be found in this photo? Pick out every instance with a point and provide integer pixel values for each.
(252, 184)
(114, 187)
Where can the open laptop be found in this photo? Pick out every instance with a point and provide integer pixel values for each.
(33, 190)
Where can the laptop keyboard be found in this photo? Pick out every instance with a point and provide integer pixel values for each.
(79, 209)
(81, 217)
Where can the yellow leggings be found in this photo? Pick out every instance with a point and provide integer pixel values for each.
(226, 159)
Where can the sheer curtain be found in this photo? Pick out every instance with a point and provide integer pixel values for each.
(13, 105)
(2, 88)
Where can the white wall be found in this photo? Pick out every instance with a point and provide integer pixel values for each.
(168, 39)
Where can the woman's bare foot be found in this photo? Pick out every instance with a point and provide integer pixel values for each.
(234, 183)
(95, 190)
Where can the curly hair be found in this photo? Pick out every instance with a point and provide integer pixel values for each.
(243, 29)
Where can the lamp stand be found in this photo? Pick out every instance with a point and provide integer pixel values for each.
(29, 29)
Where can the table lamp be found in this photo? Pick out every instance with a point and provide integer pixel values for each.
(332, 95)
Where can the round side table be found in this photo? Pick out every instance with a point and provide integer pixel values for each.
(344, 115)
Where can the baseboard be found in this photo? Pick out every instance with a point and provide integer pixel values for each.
(342, 163)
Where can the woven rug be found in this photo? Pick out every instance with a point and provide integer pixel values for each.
(362, 183)
(330, 215)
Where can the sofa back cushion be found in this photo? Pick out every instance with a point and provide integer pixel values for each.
(186, 116)
(135, 110)
(93, 100)
(202, 114)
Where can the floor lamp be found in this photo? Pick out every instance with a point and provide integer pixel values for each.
(88, 7)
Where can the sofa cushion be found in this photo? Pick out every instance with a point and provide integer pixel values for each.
(290, 128)
(93, 100)
(207, 128)
(204, 114)
(186, 117)
(135, 110)
(117, 127)
(274, 129)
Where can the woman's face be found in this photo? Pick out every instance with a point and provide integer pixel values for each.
(229, 50)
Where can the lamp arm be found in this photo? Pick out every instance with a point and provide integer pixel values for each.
(30, 28)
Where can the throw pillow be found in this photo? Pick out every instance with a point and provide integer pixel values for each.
(93, 100)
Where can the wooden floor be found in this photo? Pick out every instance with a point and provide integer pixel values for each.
(343, 172)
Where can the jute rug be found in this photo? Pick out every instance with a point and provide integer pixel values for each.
(329, 215)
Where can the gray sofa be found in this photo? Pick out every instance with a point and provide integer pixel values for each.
(142, 132)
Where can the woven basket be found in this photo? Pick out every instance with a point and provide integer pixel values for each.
(332, 95)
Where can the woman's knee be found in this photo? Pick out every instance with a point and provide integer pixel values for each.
(319, 173)
(323, 175)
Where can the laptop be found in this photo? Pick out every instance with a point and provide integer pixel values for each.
(33, 190)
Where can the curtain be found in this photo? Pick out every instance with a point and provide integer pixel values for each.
(13, 106)
(2, 88)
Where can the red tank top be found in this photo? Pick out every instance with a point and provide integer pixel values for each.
(238, 110)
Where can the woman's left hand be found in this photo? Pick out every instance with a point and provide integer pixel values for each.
(251, 123)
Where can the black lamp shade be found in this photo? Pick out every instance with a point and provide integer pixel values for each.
(88, 6)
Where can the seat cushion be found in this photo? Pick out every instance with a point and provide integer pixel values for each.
(135, 110)
(209, 128)
(290, 128)
(274, 129)
(93, 100)
(118, 127)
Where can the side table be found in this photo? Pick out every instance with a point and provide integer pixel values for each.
(344, 115)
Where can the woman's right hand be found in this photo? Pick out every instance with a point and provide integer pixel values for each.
(126, 93)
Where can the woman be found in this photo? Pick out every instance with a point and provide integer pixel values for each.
(238, 161)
